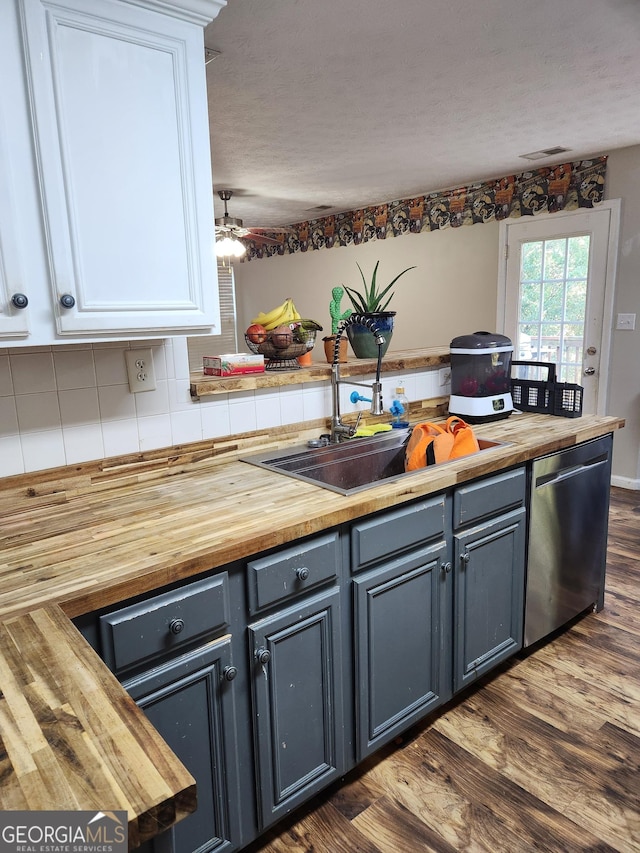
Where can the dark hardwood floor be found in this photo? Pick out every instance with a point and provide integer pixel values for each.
(544, 757)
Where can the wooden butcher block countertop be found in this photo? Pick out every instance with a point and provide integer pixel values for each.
(100, 533)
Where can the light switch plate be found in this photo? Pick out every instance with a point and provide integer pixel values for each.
(140, 370)
(626, 321)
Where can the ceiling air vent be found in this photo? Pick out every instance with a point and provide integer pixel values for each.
(544, 152)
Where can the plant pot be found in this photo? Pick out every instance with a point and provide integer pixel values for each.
(329, 348)
(361, 338)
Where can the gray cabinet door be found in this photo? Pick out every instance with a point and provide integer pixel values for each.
(297, 694)
(190, 701)
(489, 589)
(403, 664)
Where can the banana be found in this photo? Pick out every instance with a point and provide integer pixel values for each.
(263, 318)
(275, 317)
(280, 316)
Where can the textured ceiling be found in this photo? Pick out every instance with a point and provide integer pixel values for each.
(347, 103)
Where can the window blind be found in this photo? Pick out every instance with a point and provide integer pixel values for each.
(227, 340)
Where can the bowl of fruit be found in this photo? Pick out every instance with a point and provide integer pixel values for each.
(281, 336)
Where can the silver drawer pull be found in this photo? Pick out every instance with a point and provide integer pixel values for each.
(176, 626)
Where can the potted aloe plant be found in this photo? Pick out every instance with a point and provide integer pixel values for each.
(372, 302)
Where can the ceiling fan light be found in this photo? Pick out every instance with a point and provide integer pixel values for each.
(239, 249)
(229, 247)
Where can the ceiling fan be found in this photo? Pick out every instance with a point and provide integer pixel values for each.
(230, 232)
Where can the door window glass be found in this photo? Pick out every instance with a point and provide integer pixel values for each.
(553, 303)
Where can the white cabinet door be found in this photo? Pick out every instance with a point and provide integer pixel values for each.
(14, 320)
(121, 137)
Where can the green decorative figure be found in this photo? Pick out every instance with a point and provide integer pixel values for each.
(334, 309)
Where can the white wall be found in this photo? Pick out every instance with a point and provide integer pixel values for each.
(452, 291)
(623, 181)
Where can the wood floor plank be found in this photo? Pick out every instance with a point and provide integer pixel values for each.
(392, 827)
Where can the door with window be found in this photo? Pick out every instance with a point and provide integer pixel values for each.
(556, 294)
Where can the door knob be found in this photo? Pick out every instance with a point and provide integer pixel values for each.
(589, 371)
(67, 300)
(19, 300)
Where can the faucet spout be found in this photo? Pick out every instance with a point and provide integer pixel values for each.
(340, 430)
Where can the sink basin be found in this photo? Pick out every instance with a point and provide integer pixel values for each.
(348, 467)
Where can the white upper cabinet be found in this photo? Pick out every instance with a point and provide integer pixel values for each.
(118, 137)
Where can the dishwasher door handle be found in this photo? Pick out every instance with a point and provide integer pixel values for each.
(572, 471)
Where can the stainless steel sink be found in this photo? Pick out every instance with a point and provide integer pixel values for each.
(351, 466)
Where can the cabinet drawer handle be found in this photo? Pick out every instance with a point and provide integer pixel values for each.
(263, 656)
(19, 300)
(464, 558)
(302, 573)
(229, 673)
(446, 567)
(176, 626)
(67, 300)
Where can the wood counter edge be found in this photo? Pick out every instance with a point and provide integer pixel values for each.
(74, 739)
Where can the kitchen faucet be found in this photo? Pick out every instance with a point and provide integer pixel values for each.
(339, 431)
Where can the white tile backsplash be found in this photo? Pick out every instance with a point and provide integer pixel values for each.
(6, 382)
(32, 372)
(37, 412)
(74, 369)
(71, 404)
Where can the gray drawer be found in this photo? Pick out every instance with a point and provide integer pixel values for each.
(292, 571)
(159, 625)
(489, 497)
(398, 530)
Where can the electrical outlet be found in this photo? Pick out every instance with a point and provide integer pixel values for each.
(444, 375)
(140, 370)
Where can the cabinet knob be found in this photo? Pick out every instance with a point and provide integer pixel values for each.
(263, 656)
(446, 567)
(19, 300)
(67, 300)
(302, 573)
(464, 558)
(176, 626)
(229, 673)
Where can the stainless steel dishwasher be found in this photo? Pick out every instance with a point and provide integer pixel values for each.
(569, 510)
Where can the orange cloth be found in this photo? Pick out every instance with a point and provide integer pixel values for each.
(431, 443)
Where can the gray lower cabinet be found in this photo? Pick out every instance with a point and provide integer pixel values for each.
(297, 700)
(488, 569)
(401, 617)
(190, 701)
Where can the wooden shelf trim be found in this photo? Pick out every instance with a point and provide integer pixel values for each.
(205, 386)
